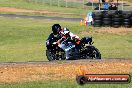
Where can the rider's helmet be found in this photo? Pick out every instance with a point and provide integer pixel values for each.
(56, 28)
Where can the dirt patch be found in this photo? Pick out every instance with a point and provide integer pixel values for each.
(8, 9)
(119, 31)
(58, 71)
(38, 12)
(114, 30)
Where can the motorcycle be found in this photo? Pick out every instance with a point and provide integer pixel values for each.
(85, 50)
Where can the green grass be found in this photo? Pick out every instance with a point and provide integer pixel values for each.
(114, 46)
(40, 6)
(62, 84)
(24, 40)
(130, 1)
(61, 3)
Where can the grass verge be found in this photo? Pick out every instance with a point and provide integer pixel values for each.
(130, 1)
(62, 84)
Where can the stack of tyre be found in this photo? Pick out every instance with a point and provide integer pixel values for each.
(97, 19)
(106, 19)
(112, 18)
(127, 19)
(117, 20)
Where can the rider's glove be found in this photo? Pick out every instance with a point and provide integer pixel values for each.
(54, 43)
(47, 42)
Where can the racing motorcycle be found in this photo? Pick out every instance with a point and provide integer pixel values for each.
(85, 50)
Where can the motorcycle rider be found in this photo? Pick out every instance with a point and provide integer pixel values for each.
(60, 34)
(54, 36)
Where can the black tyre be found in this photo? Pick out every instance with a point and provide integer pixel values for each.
(126, 16)
(107, 25)
(98, 14)
(128, 26)
(116, 26)
(97, 21)
(116, 23)
(93, 53)
(49, 55)
(131, 20)
(81, 80)
(117, 19)
(97, 18)
(126, 20)
(52, 56)
(107, 22)
(117, 16)
(111, 12)
(107, 16)
(120, 12)
(126, 23)
(106, 19)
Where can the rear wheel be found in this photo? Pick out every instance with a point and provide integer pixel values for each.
(93, 53)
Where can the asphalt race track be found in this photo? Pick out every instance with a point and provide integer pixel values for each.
(68, 61)
(39, 17)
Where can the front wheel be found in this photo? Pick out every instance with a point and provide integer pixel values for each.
(49, 55)
(55, 56)
(92, 53)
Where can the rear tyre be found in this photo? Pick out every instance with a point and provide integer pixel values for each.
(93, 53)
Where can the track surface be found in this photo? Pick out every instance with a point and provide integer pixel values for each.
(65, 61)
(60, 70)
(39, 17)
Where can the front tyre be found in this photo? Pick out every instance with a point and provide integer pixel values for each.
(93, 53)
(49, 55)
(53, 56)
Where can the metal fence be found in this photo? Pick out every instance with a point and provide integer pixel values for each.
(80, 3)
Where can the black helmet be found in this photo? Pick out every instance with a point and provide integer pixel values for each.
(56, 28)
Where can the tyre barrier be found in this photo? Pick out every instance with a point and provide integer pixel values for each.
(112, 19)
(107, 19)
(127, 20)
(131, 21)
(117, 20)
(97, 18)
